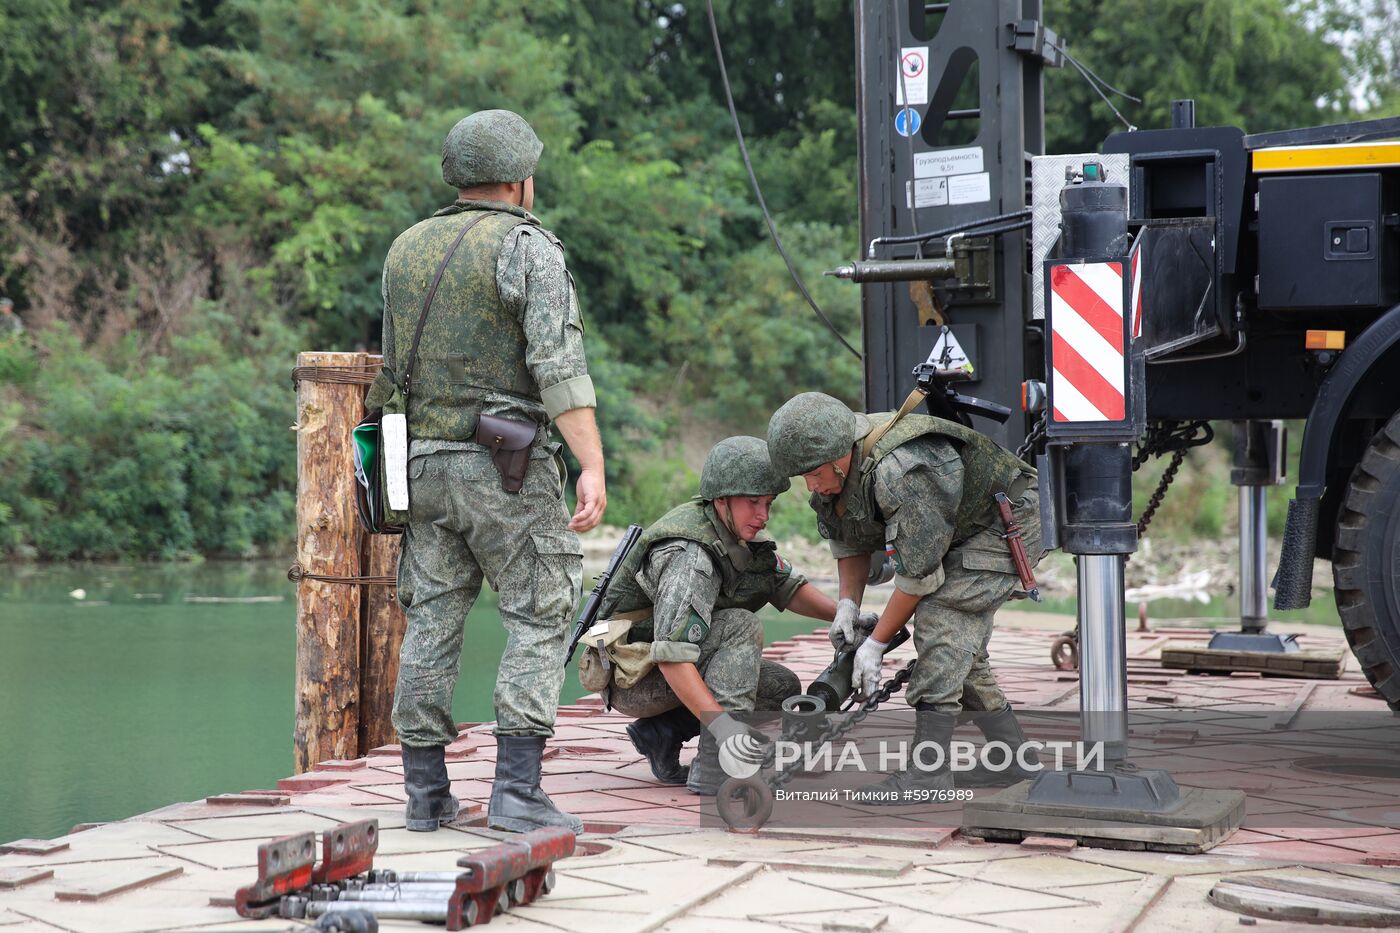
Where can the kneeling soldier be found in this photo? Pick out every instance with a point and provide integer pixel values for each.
(691, 586)
(922, 489)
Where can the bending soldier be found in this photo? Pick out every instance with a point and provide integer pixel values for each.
(502, 337)
(920, 489)
(691, 586)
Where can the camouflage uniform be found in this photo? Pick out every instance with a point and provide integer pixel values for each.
(504, 337)
(703, 586)
(924, 495)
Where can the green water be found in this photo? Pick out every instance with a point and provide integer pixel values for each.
(133, 698)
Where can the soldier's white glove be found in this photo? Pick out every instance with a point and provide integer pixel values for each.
(866, 675)
(865, 625)
(843, 627)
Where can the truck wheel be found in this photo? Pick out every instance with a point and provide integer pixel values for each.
(1366, 562)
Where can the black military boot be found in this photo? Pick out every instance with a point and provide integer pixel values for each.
(706, 775)
(518, 805)
(930, 726)
(660, 738)
(1002, 726)
(430, 802)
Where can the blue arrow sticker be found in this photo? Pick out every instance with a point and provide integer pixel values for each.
(907, 121)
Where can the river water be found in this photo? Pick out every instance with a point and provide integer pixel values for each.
(140, 694)
(135, 696)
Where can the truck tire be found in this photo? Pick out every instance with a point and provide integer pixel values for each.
(1366, 562)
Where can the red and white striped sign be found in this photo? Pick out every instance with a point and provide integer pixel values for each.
(1086, 353)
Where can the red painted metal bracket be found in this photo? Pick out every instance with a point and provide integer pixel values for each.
(284, 866)
(518, 870)
(347, 850)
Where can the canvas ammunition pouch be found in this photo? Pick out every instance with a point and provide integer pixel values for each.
(509, 443)
(609, 659)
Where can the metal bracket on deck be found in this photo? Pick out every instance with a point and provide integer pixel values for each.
(347, 850)
(518, 871)
(284, 867)
(345, 886)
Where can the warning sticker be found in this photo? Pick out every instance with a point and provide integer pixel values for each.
(912, 75)
(969, 189)
(948, 353)
(949, 176)
(928, 192)
(948, 162)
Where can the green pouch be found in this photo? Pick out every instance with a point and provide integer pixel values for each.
(371, 496)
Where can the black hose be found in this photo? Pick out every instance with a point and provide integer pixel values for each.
(956, 228)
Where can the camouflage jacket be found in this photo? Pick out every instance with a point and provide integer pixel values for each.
(925, 489)
(504, 335)
(688, 565)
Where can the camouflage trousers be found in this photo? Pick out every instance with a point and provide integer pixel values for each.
(463, 527)
(732, 667)
(952, 625)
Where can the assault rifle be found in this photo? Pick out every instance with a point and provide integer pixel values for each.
(589, 615)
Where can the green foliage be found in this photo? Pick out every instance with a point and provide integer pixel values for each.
(172, 457)
(656, 485)
(791, 518)
(749, 342)
(1247, 63)
(190, 192)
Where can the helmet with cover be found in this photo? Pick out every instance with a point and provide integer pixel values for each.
(739, 466)
(490, 147)
(812, 429)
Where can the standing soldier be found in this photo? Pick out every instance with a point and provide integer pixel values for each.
(502, 339)
(920, 489)
(691, 584)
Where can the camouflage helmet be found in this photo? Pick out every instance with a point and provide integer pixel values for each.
(490, 147)
(811, 429)
(738, 466)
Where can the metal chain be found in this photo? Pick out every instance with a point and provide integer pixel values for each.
(1036, 435)
(1167, 476)
(839, 727)
(1162, 437)
(1170, 436)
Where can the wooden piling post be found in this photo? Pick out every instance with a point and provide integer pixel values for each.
(383, 623)
(328, 543)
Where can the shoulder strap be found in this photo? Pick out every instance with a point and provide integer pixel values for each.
(867, 446)
(428, 301)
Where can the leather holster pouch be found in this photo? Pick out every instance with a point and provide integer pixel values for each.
(509, 442)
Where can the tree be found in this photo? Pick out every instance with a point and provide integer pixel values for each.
(1248, 63)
